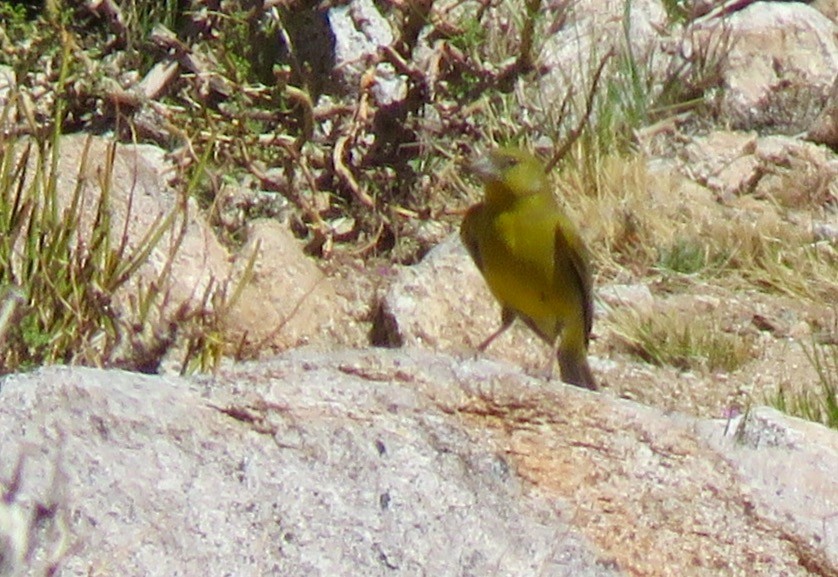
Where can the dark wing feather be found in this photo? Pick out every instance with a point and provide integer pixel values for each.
(468, 234)
(574, 250)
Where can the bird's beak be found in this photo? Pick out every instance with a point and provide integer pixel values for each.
(484, 168)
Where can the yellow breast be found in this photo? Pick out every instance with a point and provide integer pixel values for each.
(519, 264)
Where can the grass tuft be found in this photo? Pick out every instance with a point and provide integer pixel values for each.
(684, 257)
(685, 342)
(819, 403)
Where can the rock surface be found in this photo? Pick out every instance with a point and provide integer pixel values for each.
(824, 129)
(781, 66)
(140, 199)
(286, 302)
(787, 170)
(399, 462)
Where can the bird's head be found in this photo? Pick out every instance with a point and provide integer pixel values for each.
(510, 172)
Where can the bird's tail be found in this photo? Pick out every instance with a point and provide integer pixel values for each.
(576, 371)
(573, 362)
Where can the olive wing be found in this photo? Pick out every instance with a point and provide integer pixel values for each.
(468, 234)
(571, 247)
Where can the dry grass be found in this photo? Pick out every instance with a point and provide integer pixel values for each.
(642, 224)
(685, 341)
(659, 230)
(820, 403)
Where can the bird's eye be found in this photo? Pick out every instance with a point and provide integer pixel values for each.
(505, 162)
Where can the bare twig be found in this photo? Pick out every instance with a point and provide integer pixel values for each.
(525, 59)
(580, 126)
(359, 120)
(345, 175)
(725, 9)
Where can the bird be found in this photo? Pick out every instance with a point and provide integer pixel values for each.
(532, 258)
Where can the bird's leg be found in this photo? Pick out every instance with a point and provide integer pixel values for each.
(549, 370)
(507, 316)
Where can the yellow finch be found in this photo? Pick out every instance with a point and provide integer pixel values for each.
(532, 258)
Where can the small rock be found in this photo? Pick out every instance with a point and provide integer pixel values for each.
(288, 301)
(723, 161)
(825, 231)
(824, 129)
(636, 296)
(780, 68)
(359, 30)
(7, 84)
